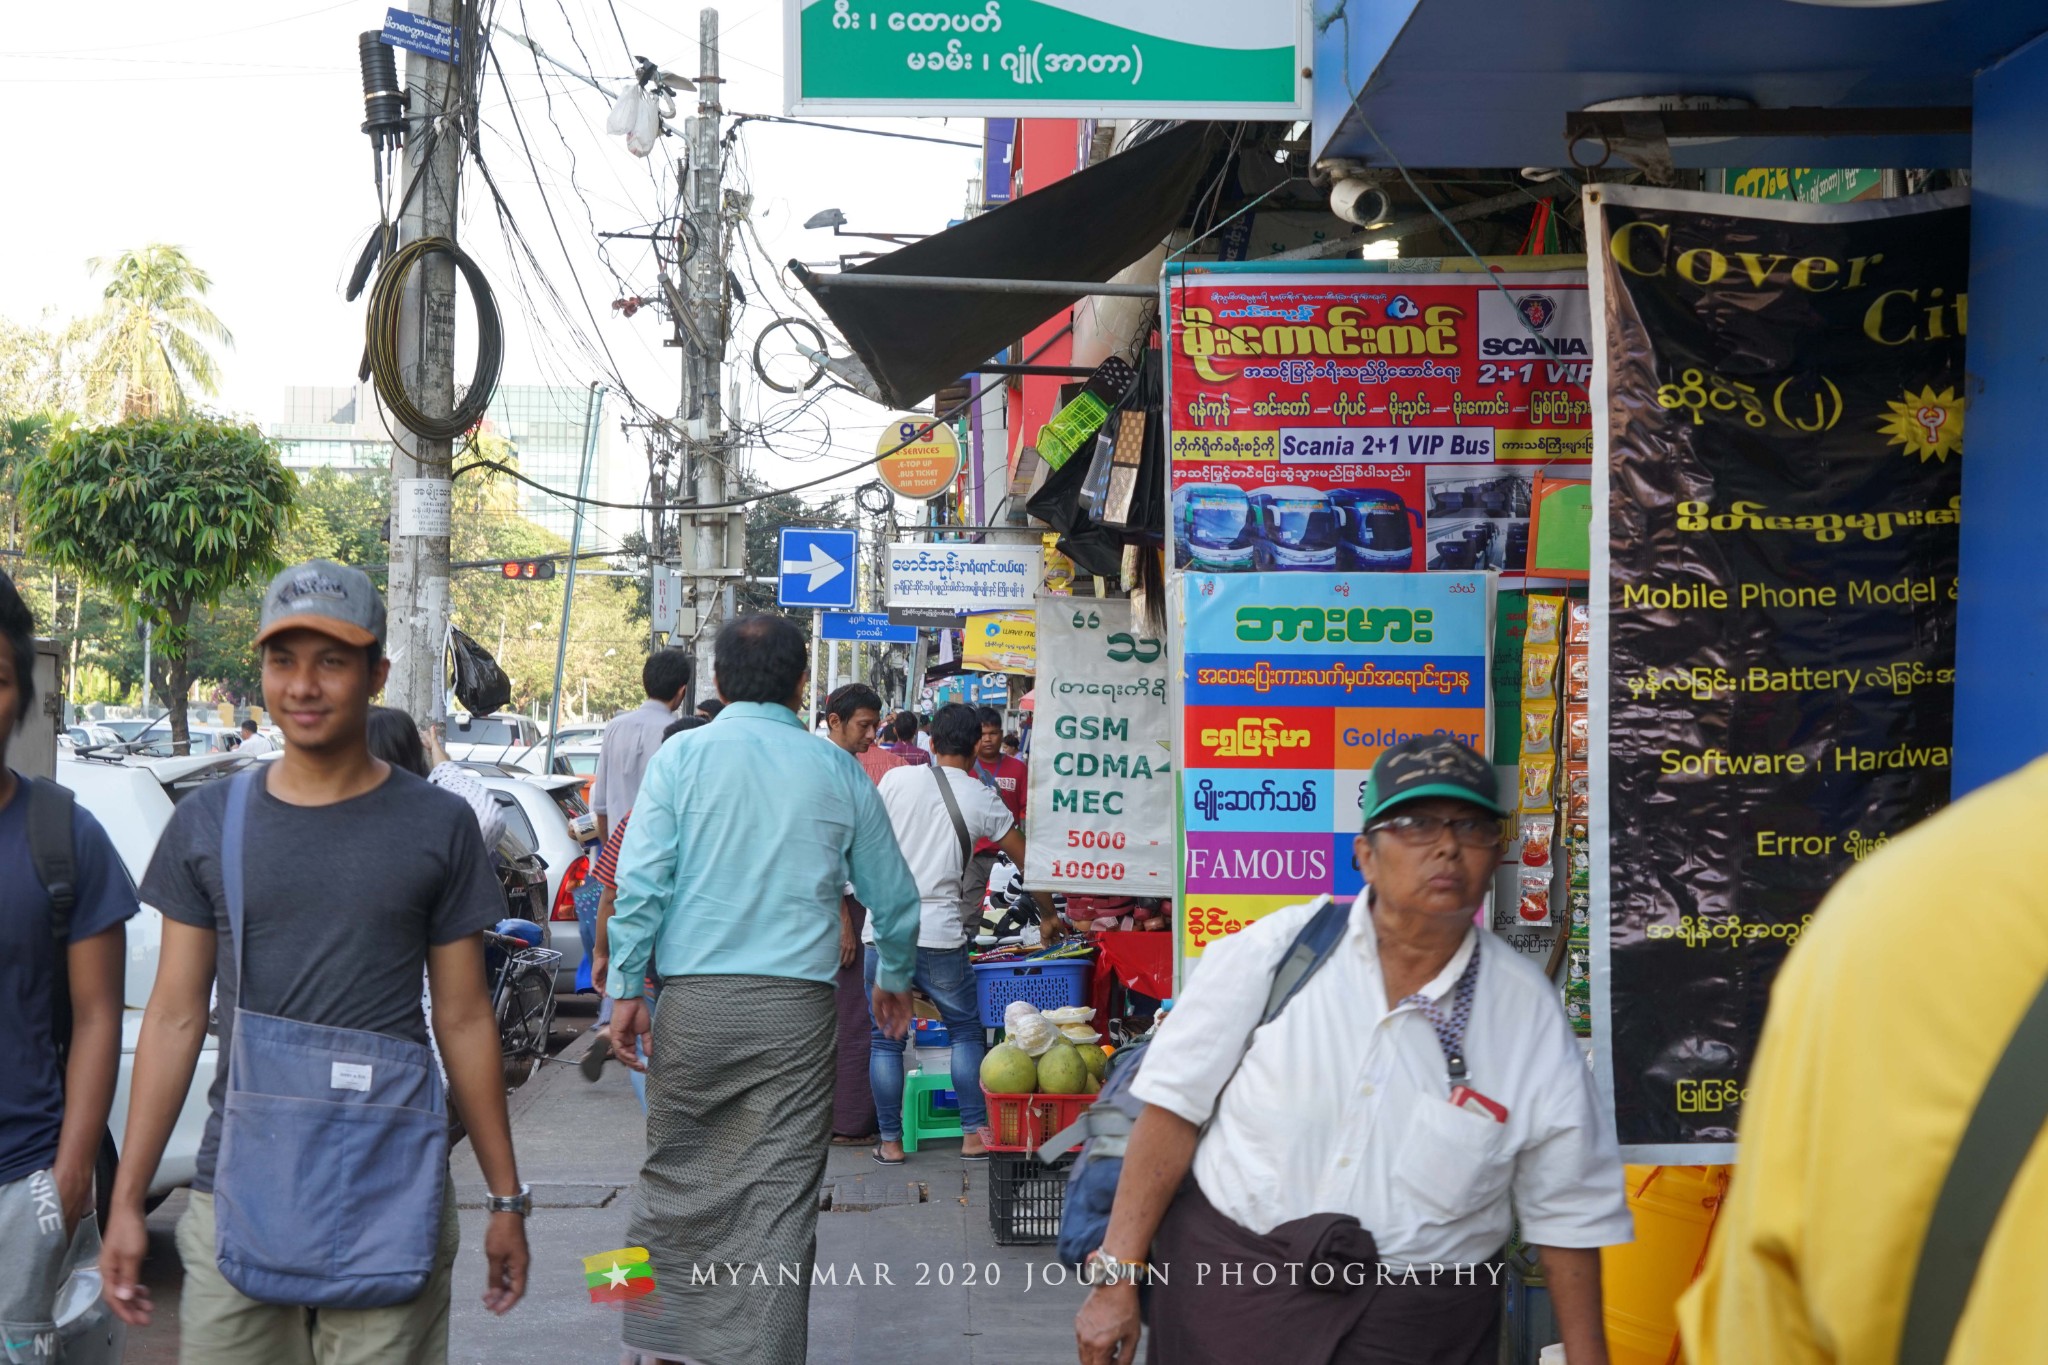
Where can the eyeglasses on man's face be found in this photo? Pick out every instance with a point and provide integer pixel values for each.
(1420, 831)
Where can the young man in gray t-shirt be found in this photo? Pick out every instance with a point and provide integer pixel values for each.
(357, 876)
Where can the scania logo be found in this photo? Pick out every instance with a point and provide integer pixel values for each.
(1537, 310)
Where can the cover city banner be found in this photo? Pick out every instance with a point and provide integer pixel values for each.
(1291, 684)
(1101, 779)
(1351, 420)
(1775, 545)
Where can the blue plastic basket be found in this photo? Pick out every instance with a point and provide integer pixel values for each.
(1048, 985)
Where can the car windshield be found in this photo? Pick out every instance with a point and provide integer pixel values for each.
(1216, 521)
(483, 730)
(1298, 524)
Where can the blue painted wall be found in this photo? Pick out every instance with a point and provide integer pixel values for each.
(2002, 649)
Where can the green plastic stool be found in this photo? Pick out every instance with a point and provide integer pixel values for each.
(922, 1118)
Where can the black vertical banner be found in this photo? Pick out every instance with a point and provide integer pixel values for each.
(1775, 658)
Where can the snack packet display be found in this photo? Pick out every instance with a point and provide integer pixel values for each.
(1578, 786)
(1539, 728)
(1578, 676)
(1578, 993)
(1580, 904)
(1533, 899)
(1536, 834)
(1578, 734)
(1539, 673)
(1538, 776)
(1579, 867)
(1546, 619)
(1579, 624)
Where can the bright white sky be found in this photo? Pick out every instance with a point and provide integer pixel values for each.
(232, 131)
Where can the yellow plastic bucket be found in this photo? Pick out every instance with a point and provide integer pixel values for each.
(1674, 1208)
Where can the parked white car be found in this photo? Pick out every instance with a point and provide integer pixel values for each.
(549, 814)
(500, 738)
(132, 803)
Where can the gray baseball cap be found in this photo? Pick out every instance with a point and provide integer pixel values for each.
(325, 596)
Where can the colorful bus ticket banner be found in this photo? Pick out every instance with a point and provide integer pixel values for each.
(1211, 918)
(1324, 419)
(1291, 686)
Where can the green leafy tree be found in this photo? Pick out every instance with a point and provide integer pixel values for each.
(167, 515)
(151, 337)
(40, 366)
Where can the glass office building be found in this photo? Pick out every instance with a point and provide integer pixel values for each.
(344, 428)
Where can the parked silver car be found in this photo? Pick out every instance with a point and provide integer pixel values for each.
(549, 814)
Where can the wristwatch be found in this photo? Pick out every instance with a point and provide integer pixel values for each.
(1102, 1268)
(520, 1203)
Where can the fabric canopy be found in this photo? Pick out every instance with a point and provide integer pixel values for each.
(1090, 225)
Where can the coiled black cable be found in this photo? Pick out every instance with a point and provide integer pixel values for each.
(382, 331)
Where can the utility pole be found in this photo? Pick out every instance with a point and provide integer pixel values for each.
(704, 366)
(417, 599)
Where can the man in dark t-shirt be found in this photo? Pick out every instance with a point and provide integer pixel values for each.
(356, 877)
(53, 1101)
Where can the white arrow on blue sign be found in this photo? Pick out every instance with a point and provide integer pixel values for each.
(817, 567)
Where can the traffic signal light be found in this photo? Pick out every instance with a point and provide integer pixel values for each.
(528, 568)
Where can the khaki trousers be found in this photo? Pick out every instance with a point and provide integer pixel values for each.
(220, 1325)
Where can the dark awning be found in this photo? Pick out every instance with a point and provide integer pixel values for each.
(1088, 226)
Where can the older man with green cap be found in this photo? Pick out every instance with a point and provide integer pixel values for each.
(1332, 1184)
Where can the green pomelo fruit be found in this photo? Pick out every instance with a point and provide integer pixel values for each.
(1061, 1071)
(1008, 1070)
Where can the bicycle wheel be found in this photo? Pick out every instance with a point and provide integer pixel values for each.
(523, 1022)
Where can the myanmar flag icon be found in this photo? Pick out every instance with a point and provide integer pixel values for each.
(617, 1276)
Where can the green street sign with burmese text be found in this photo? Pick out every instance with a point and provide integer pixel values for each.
(1082, 58)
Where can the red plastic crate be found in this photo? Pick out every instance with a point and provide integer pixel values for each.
(1022, 1123)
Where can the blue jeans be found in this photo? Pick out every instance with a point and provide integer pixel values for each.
(942, 974)
(639, 1081)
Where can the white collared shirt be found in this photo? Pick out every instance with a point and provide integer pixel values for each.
(1341, 1105)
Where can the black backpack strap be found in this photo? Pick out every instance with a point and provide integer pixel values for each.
(51, 852)
(959, 822)
(50, 849)
(2009, 1117)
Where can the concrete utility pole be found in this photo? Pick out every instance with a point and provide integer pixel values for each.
(705, 351)
(417, 599)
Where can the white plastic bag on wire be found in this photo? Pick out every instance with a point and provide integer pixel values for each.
(638, 115)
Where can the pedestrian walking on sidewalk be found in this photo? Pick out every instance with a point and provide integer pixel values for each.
(63, 949)
(605, 872)
(1333, 1186)
(1891, 1203)
(938, 813)
(314, 889)
(630, 740)
(900, 739)
(852, 714)
(742, 838)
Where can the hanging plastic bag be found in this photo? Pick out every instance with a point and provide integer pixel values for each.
(638, 115)
(480, 685)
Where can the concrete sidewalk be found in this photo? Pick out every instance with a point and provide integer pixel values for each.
(931, 1286)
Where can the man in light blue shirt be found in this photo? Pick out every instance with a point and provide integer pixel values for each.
(744, 833)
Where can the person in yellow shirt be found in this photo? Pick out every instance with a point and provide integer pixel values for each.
(1884, 1026)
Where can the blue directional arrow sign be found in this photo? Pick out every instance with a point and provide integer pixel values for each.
(872, 626)
(817, 567)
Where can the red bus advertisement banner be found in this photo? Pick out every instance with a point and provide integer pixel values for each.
(1357, 421)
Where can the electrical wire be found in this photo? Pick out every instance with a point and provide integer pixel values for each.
(381, 337)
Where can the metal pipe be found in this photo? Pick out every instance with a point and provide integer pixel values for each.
(964, 285)
(591, 409)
